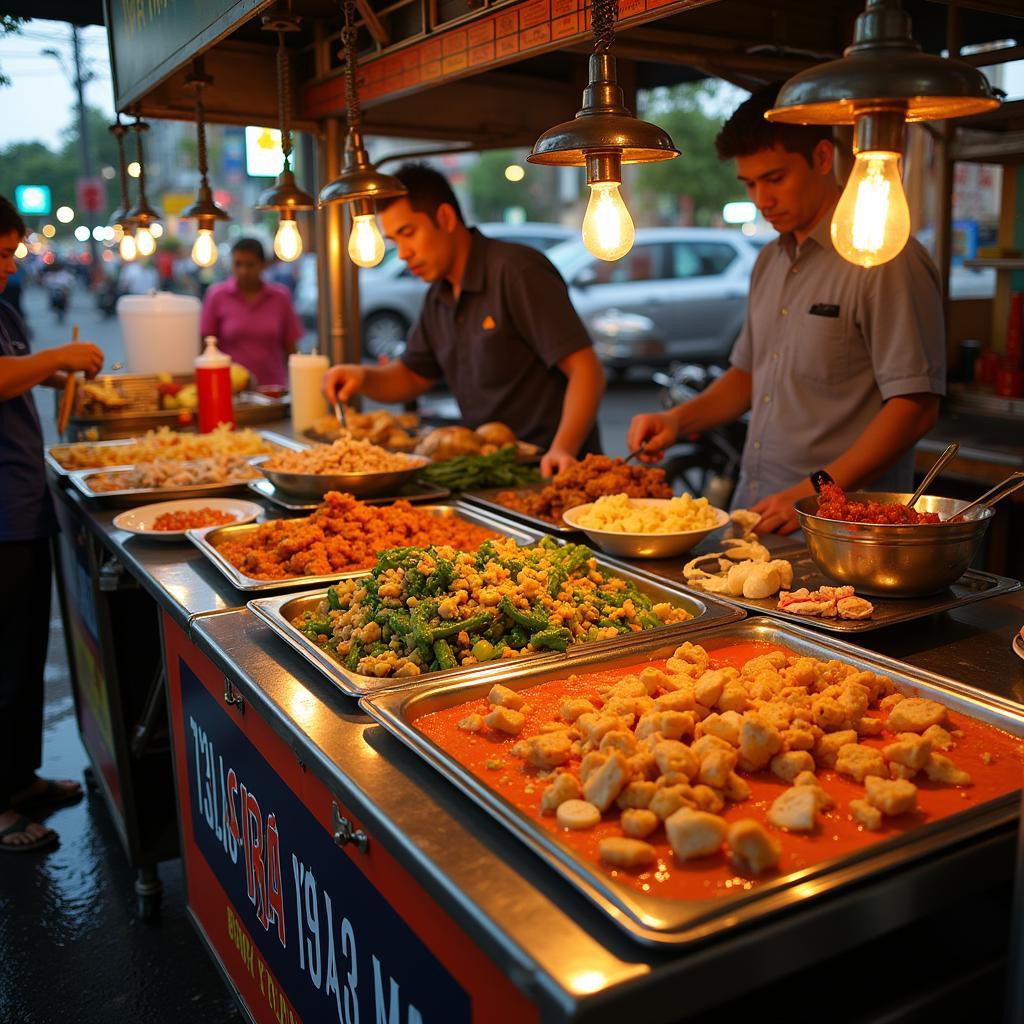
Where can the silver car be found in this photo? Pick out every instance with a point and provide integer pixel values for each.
(390, 298)
(679, 293)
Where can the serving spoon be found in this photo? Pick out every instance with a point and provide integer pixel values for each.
(1001, 490)
(932, 473)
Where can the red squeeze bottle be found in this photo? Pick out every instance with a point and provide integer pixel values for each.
(213, 384)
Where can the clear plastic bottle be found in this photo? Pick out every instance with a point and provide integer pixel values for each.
(213, 384)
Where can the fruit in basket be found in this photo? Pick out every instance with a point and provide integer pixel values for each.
(188, 397)
(240, 378)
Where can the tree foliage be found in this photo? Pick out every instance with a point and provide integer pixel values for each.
(9, 25)
(491, 193)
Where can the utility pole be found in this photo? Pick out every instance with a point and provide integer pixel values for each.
(83, 140)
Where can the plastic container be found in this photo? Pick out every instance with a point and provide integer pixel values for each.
(159, 332)
(213, 385)
(305, 375)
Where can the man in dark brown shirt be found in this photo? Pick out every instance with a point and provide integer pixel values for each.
(497, 324)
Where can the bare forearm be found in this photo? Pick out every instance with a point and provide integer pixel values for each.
(898, 426)
(393, 382)
(579, 406)
(724, 401)
(20, 373)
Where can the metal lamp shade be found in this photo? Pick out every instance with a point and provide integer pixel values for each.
(603, 125)
(883, 68)
(359, 179)
(141, 214)
(204, 209)
(120, 218)
(285, 195)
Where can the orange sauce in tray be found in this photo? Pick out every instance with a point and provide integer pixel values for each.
(994, 760)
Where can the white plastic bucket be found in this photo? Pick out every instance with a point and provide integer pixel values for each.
(160, 332)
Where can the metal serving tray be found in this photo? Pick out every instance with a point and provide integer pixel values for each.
(278, 612)
(205, 539)
(485, 499)
(973, 586)
(415, 492)
(130, 497)
(268, 435)
(656, 920)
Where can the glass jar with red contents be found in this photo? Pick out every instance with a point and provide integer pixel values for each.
(213, 384)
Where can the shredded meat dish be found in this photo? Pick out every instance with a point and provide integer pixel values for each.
(833, 504)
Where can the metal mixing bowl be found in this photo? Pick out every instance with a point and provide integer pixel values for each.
(315, 485)
(894, 561)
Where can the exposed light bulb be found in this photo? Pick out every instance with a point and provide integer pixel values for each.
(204, 249)
(127, 248)
(21, 251)
(288, 241)
(607, 227)
(144, 241)
(365, 244)
(871, 224)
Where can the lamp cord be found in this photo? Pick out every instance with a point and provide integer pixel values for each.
(201, 132)
(284, 100)
(348, 40)
(118, 131)
(603, 15)
(139, 129)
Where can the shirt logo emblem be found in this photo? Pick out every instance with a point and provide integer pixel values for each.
(488, 324)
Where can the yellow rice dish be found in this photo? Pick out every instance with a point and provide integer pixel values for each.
(618, 513)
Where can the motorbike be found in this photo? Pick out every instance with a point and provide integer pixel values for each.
(707, 464)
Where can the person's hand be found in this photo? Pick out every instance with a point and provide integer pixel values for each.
(777, 512)
(655, 431)
(556, 460)
(80, 355)
(342, 382)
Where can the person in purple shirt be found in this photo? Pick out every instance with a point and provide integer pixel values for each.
(254, 321)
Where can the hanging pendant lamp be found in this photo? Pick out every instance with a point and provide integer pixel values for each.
(882, 82)
(119, 219)
(602, 137)
(359, 184)
(284, 195)
(204, 211)
(142, 215)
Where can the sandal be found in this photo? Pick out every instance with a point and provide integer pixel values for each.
(52, 795)
(48, 838)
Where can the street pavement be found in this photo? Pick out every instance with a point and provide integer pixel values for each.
(71, 944)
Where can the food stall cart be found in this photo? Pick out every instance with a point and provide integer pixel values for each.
(332, 871)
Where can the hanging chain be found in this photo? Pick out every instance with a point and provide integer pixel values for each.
(118, 131)
(201, 131)
(348, 41)
(603, 15)
(139, 129)
(284, 100)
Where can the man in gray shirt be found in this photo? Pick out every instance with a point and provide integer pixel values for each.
(497, 324)
(841, 367)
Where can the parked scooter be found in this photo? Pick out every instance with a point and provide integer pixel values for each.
(708, 463)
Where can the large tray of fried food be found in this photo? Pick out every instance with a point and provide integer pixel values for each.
(162, 444)
(580, 484)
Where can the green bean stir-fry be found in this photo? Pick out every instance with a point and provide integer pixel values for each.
(429, 609)
(476, 472)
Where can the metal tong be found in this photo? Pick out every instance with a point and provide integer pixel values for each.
(932, 473)
(1001, 490)
(339, 415)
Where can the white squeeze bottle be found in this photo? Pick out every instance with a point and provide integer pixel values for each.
(305, 375)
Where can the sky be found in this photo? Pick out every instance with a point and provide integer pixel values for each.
(39, 103)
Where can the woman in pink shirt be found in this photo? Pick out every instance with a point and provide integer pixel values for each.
(254, 321)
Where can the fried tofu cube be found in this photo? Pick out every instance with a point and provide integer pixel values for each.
(725, 726)
(642, 765)
(655, 681)
(590, 763)
(621, 852)
(828, 747)
(733, 698)
(869, 726)
(622, 707)
(627, 686)
(915, 714)
(787, 766)
(891, 796)
(939, 737)
(636, 794)
(708, 742)
(806, 778)
(668, 799)
(605, 784)
(673, 756)
(715, 768)
(795, 738)
(870, 817)
(504, 697)
(506, 720)
(638, 822)
(900, 771)
(889, 702)
(828, 713)
(564, 787)
(619, 739)
(909, 749)
(471, 723)
(671, 724)
(940, 768)
(759, 741)
(710, 685)
(753, 849)
(594, 727)
(708, 799)
(694, 833)
(546, 750)
(858, 762)
(676, 700)
(795, 809)
(692, 656)
(736, 788)
(570, 708)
